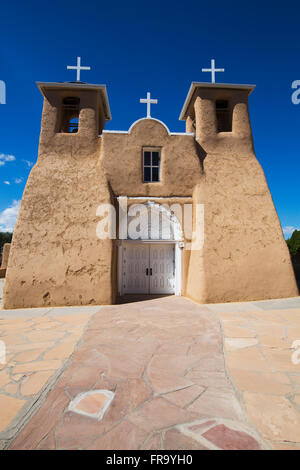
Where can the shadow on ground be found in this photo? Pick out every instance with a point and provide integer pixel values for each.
(130, 298)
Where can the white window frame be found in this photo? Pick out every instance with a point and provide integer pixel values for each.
(151, 150)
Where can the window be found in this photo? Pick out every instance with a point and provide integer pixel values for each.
(70, 115)
(224, 123)
(151, 163)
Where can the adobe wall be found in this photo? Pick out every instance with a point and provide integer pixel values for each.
(4, 260)
(56, 257)
(5, 255)
(181, 168)
(245, 256)
(122, 158)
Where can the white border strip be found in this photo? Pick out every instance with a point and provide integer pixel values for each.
(152, 119)
(154, 197)
(98, 415)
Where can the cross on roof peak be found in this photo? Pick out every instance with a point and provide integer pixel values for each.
(213, 71)
(148, 101)
(78, 68)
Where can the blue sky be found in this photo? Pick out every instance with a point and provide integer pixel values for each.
(158, 46)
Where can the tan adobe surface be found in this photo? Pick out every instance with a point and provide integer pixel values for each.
(56, 257)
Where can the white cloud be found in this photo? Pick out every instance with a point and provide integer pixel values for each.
(28, 163)
(288, 230)
(18, 180)
(6, 158)
(6, 182)
(9, 216)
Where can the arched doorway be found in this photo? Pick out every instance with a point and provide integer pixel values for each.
(149, 260)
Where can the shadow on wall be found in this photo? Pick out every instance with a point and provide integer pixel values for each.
(201, 154)
(296, 266)
(4, 259)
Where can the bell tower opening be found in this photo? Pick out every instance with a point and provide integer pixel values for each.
(224, 119)
(70, 115)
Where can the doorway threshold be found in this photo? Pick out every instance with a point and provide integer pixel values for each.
(130, 298)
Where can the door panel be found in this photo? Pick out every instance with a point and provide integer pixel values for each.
(148, 269)
(135, 263)
(162, 269)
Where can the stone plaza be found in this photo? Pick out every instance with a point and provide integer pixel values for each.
(164, 373)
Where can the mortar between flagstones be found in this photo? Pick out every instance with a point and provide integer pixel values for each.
(152, 420)
(30, 370)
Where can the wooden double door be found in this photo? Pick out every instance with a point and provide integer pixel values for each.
(148, 268)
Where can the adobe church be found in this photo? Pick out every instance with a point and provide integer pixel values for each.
(58, 259)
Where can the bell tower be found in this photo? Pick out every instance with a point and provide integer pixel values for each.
(219, 116)
(56, 256)
(74, 114)
(244, 256)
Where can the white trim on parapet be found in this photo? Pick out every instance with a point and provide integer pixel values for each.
(146, 119)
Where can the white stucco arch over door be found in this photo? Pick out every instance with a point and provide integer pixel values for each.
(160, 236)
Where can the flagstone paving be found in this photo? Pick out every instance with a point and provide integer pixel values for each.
(263, 371)
(178, 376)
(163, 360)
(38, 343)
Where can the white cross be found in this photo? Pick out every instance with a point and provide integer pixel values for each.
(78, 68)
(149, 102)
(213, 70)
